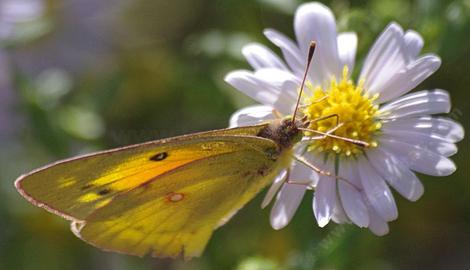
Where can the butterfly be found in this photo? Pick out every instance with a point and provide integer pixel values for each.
(164, 198)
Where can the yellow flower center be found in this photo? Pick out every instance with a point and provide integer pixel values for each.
(344, 104)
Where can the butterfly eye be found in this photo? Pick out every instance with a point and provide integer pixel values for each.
(159, 157)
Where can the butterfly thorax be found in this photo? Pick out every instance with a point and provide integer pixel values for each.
(284, 132)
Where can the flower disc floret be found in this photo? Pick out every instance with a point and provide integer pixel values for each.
(344, 104)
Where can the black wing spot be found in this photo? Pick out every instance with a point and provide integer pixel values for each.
(159, 157)
(104, 192)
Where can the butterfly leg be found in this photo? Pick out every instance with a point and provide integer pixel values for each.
(311, 166)
(313, 102)
(307, 184)
(325, 118)
(328, 134)
(324, 134)
(325, 173)
(307, 123)
(288, 180)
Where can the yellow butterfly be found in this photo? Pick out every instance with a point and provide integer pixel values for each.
(166, 197)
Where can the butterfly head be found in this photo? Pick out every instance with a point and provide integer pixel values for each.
(285, 132)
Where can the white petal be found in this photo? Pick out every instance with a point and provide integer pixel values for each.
(425, 141)
(443, 128)
(271, 86)
(377, 191)
(347, 45)
(284, 84)
(353, 204)
(417, 104)
(311, 158)
(280, 80)
(339, 215)
(246, 82)
(300, 173)
(377, 224)
(252, 115)
(413, 44)
(289, 50)
(348, 170)
(351, 198)
(409, 77)
(324, 199)
(386, 57)
(260, 56)
(287, 202)
(396, 173)
(419, 159)
(315, 22)
(277, 183)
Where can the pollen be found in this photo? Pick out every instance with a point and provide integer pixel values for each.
(345, 104)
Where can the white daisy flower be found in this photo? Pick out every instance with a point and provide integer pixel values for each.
(402, 134)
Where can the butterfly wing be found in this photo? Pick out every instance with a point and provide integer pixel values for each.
(162, 198)
(74, 188)
(176, 213)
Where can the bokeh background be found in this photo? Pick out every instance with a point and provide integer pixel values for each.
(83, 75)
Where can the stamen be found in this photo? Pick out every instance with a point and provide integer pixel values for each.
(346, 104)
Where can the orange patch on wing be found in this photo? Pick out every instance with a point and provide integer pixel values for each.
(142, 169)
(145, 174)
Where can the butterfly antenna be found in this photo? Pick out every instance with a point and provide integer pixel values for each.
(311, 50)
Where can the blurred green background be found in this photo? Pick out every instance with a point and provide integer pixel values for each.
(83, 75)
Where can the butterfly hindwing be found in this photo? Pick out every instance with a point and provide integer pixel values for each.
(175, 214)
